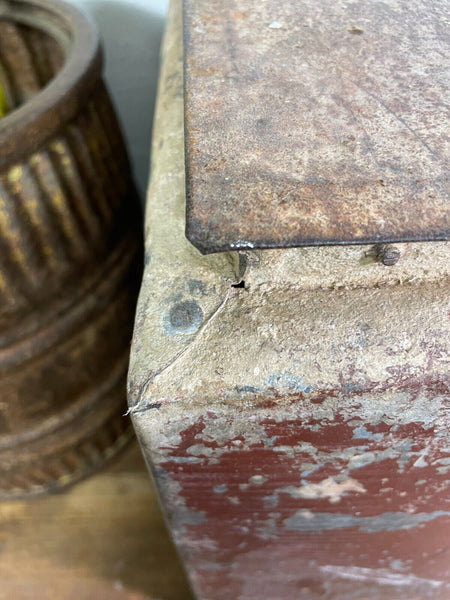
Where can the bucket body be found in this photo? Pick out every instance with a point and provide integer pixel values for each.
(70, 253)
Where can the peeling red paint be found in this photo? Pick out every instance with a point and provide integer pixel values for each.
(243, 493)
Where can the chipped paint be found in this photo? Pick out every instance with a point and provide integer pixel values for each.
(384, 522)
(257, 499)
(329, 488)
(382, 577)
(361, 433)
(289, 381)
(257, 479)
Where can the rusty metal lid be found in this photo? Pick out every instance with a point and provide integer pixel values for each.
(313, 123)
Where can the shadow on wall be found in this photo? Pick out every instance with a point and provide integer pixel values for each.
(131, 31)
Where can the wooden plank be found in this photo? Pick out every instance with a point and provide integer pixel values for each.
(105, 539)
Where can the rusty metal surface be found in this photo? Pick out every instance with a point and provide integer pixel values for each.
(37, 120)
(70, 254)
(311, 123)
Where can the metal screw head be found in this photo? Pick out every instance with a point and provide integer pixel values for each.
(388, 254)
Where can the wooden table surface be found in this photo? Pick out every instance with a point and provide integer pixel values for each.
(104, 539)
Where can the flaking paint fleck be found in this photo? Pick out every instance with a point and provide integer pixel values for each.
(288, 381)
(362, 433)
(330, 488)
(382, 577)
(384, 522)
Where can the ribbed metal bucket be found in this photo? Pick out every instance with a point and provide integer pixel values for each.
(70, 252)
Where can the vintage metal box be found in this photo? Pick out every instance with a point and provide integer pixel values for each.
(290, 385)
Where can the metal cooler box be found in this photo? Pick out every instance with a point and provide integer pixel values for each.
(289, 375)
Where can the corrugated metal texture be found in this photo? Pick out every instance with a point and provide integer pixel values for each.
(60, 207)
(311, 123)
(70, 253)
(29, 59)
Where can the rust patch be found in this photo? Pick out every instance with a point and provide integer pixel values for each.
(315, 123)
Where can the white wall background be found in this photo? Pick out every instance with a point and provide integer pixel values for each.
(131, 31)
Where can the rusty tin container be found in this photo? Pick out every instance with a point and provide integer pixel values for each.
(70, 252)
(292, 396)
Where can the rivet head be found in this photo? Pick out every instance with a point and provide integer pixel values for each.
(184, 317)
(388, 255)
